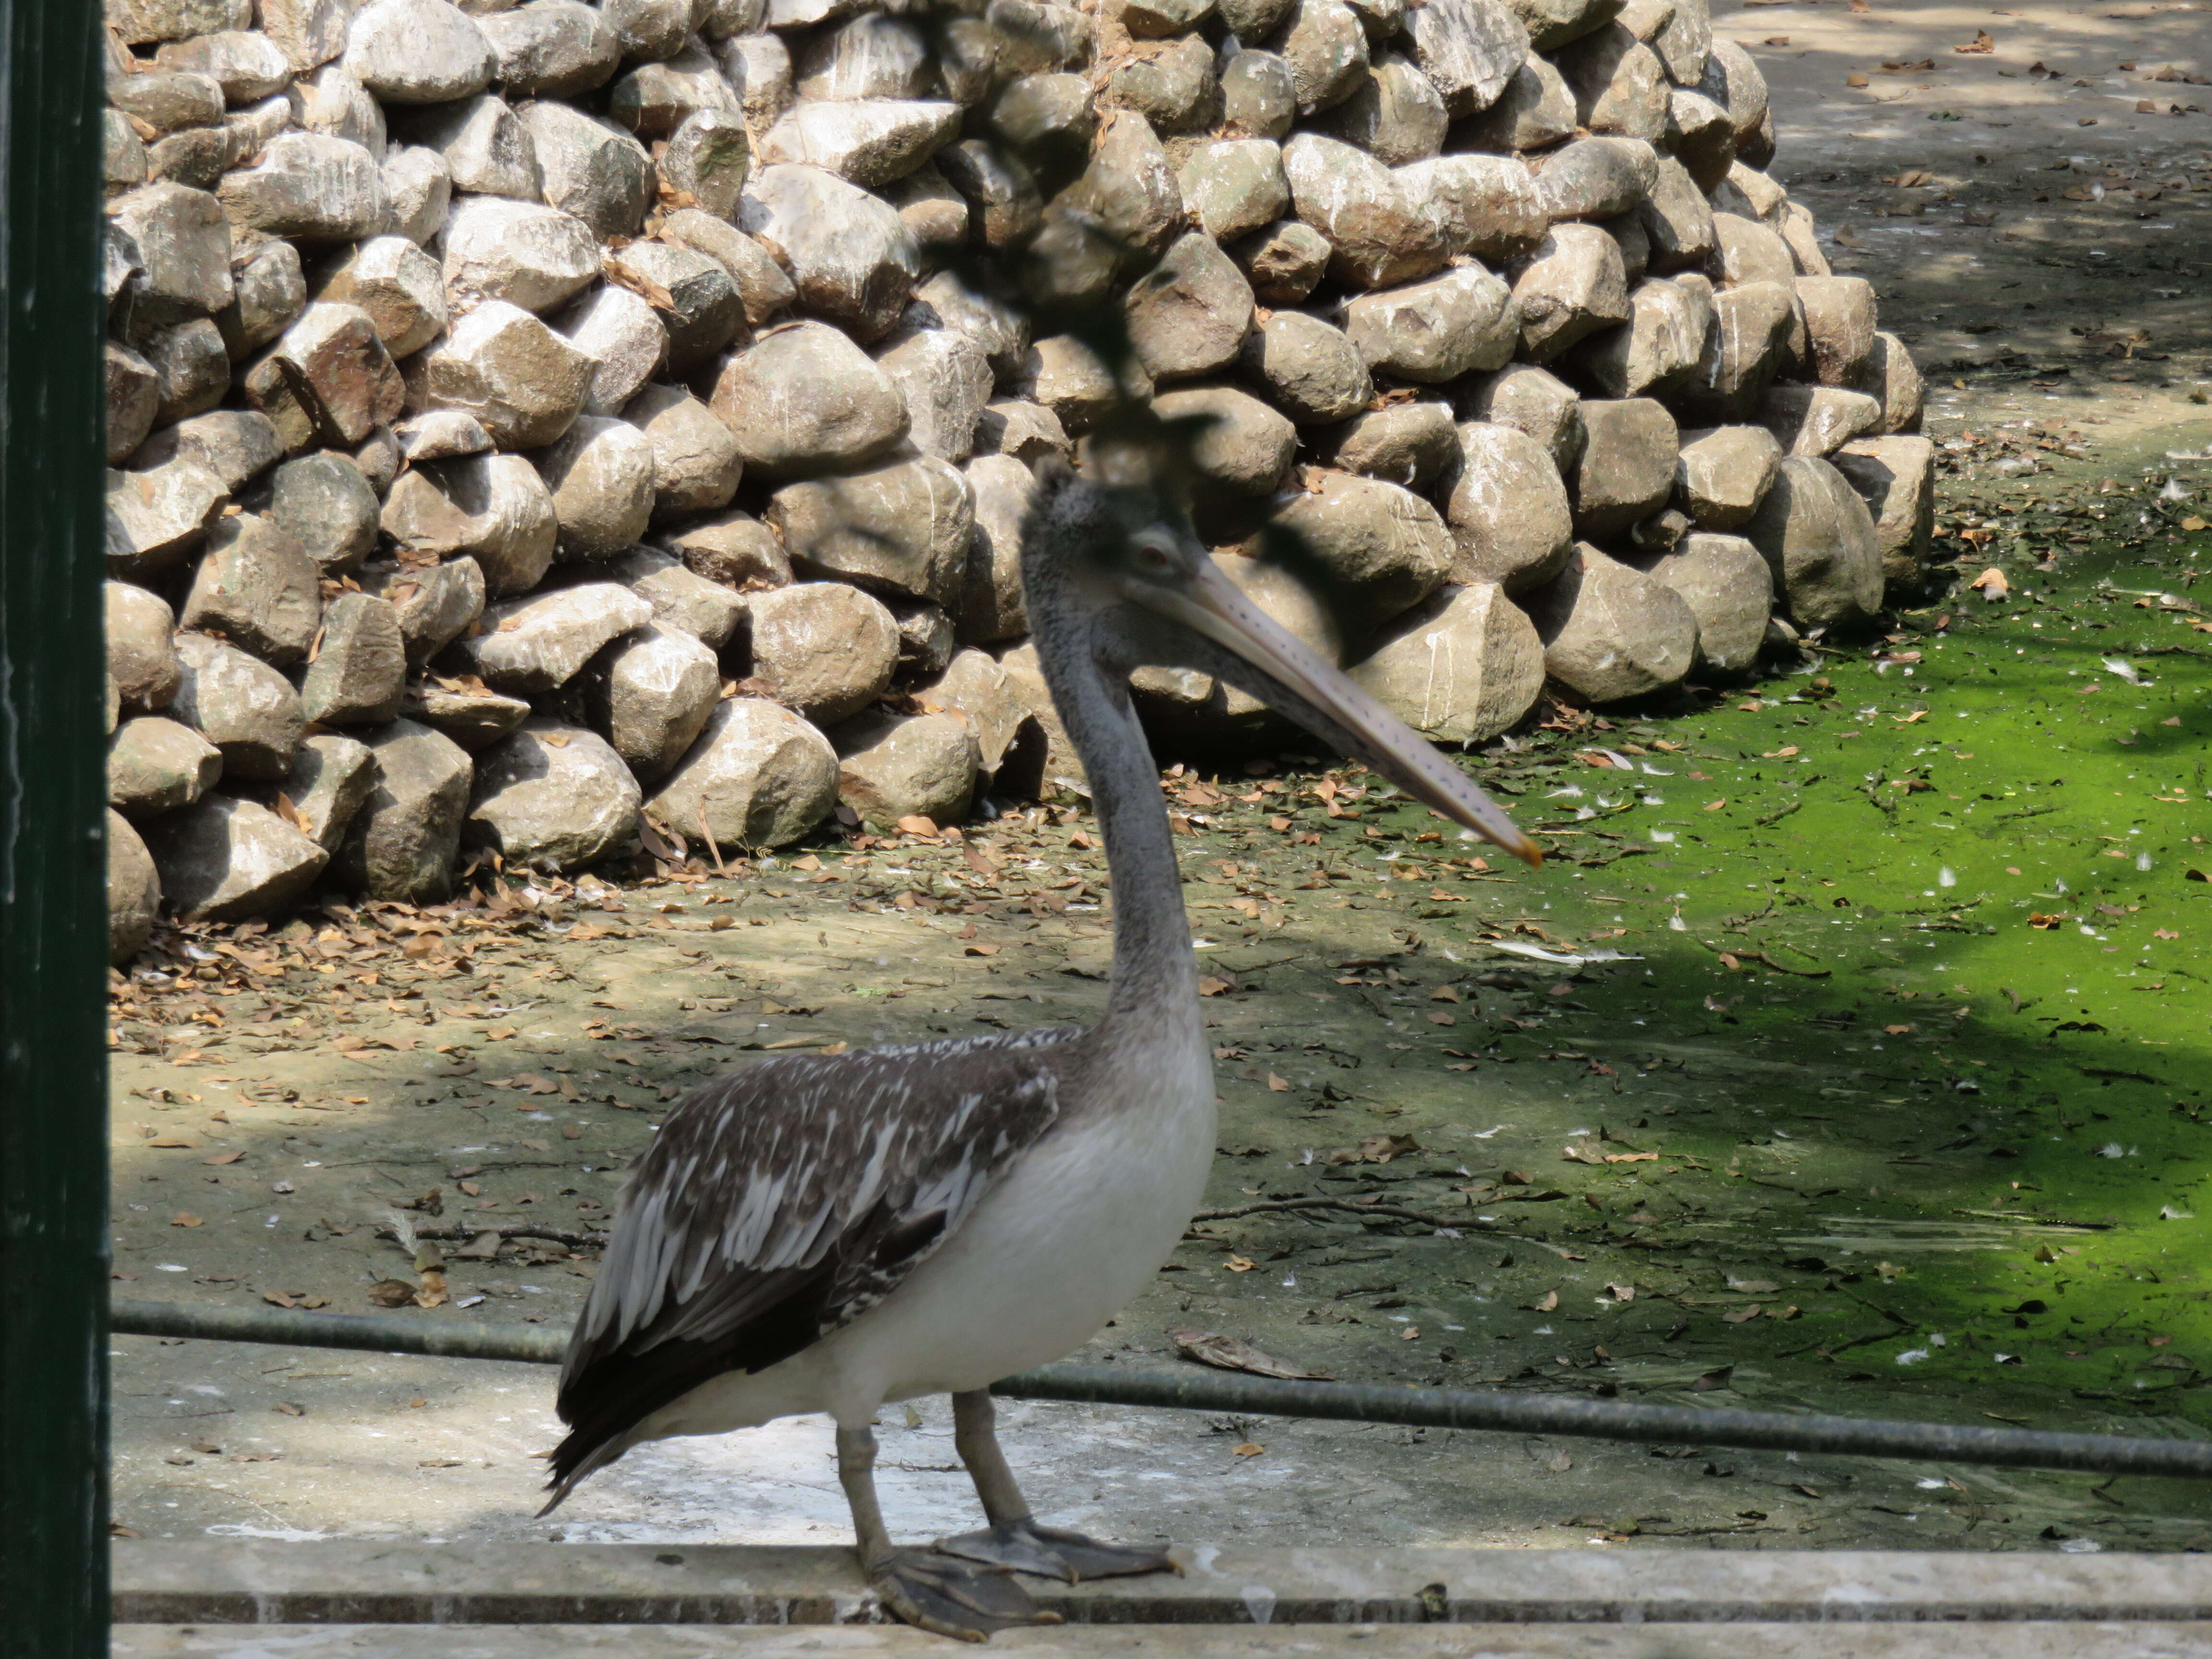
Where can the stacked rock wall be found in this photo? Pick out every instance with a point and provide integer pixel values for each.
(530, 419)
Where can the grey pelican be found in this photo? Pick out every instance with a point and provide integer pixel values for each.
(820, 1233)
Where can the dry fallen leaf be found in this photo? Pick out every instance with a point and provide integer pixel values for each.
(1233, 1353)
(1856, 79)
(1545, 1302)
(1247, 1449)
(1991, 585)
(1241, 1264)
(185, 1218)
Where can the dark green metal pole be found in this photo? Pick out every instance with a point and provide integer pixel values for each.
(53, 928)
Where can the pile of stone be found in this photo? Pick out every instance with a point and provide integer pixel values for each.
(529, 420)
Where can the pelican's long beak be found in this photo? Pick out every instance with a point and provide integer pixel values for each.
(1217, 608)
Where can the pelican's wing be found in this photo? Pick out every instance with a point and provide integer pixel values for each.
(782, 1202)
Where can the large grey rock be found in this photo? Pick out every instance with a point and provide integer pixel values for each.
(1508, 510)
(708, 159)
(240, 705)
(134, 891)
(1438, 330)
(1745, 250)
(1676, 219)
(142, 657)
(1626, 471)
(1129, 185)
(991, 606)
(1573, 284)
(1234, 186)
(1620, 83)
(625, 338)
(523, 252)
(1190, 313)
(1819, 540)
(235, 445)
(1064, 375)
(1258, 96)
(1413, 444)
(359, 672)
(681, 599)
(655, 99)
(1001, 205)
(648, 31)
(874, 55)
(402, 842)
(166, 100)
(601, 475)
(1891, 380)
(590, 167)
(1237, 443)
(1488, 204)
(308, 31)
(247, 66)
(156, 765)
(805, 399)
(1894, 477)
(494, 508)
(332, 103)
(552, 48)
(759, 776)
(1725, 582)
(324, 503)
(759, 69)
(257, 589)
(436, 603)
(182, 240)
(823, 648)
(1534, 111)
(192, 370)
(1394, 113)
(1469, 49)
(897, 766)
(1746, 345)
(540, 641)
(1700, 134)
(1312, 371)
(475, 720)
(944, 378)
(1383, 547)
(733, 549)
(651, 692)
(1460, 667)
(1722, 474)
(1596, 178)
(852, 259)
(695, 462)
(1610, 631)
(524, 383)
(1171, 85)
(418, 52)
(328, 379)
(229, 860)
(1656, 349)
(552, 797)
(901, 528)
(156, 519)
(1028, 432)
(419, 188)
(864, 141)
(762, 285)
(134, 398)
(330, 781)
(695, 297)
(976, 688)
(308, 187)
(1381, 229)
(399, 286)
(1533, 401)
(1817, 420)
(1731, 80)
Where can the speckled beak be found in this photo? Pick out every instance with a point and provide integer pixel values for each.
(1212, 606)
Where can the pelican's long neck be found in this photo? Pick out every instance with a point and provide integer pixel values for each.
(1155, 974)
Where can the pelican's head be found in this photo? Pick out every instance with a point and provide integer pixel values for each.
(1117, 565)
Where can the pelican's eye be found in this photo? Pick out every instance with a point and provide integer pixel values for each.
(1153, 556)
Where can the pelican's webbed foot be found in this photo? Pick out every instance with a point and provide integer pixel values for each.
(952, 1597)
(1024, 1546)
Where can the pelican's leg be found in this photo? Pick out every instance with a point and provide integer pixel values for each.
(938, 1592)
(1014, 1538)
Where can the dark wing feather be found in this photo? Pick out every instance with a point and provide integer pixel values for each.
(782, 1202)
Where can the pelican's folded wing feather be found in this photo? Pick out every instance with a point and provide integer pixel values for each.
(782, 1201)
